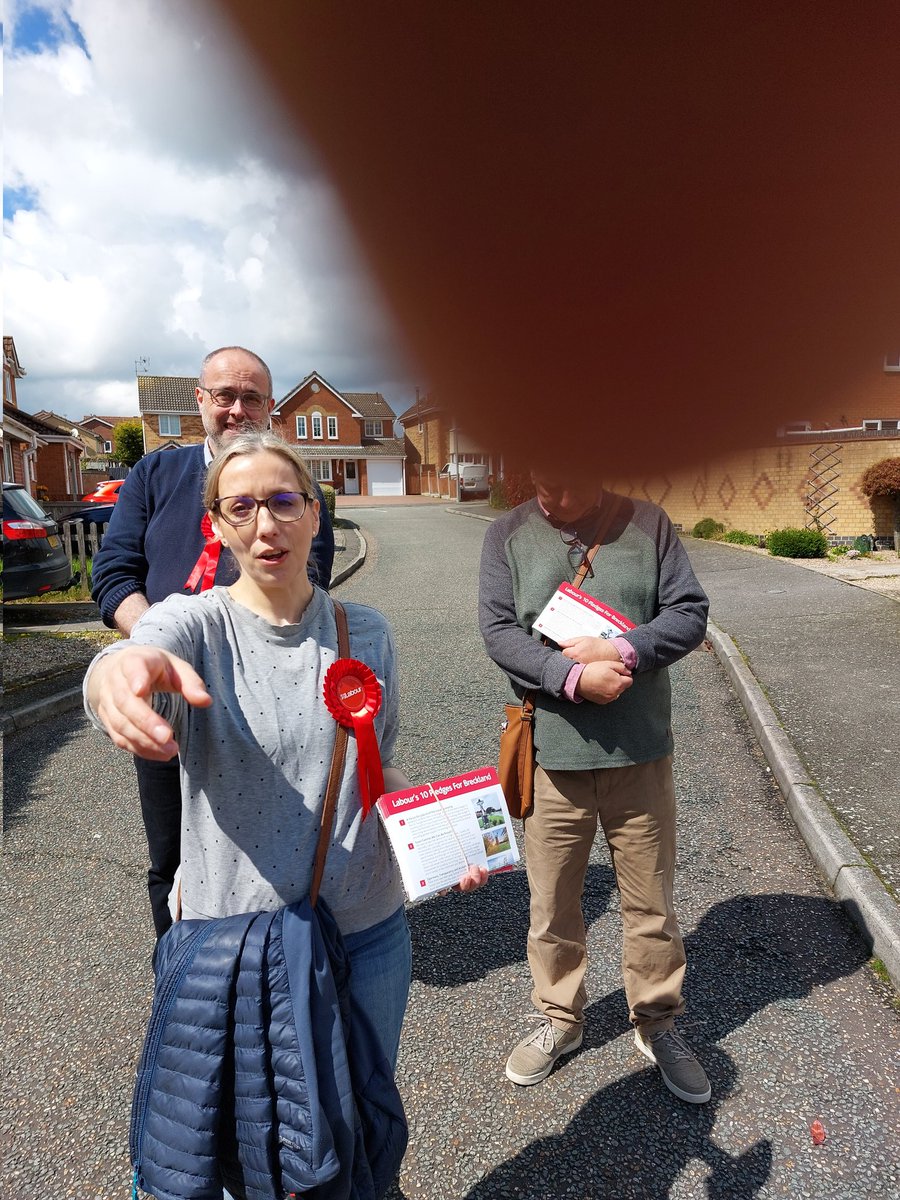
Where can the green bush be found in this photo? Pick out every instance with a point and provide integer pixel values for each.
(708, 528)
(328, 493)
(797, 543)
(739, 537)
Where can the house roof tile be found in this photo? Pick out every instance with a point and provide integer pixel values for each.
(426, 408)
(372, 405)
(27, 421)
(107, 420)
(167, 394)
(389, 448)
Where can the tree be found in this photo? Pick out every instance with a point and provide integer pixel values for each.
(883, 479)
(129, 442)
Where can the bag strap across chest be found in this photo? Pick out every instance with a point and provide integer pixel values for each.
(338, 757)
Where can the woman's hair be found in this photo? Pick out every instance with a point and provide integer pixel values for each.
(257, 442)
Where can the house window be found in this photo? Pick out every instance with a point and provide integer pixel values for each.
(332, 428)
(373, 429)
(321, 469)
(317, 427)
(107, 447)
(301, 427)
(169, 426)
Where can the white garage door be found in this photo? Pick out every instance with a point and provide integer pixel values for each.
(385, 477)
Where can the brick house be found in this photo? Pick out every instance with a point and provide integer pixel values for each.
(346, 437)
(170, 415)
(431, 440)
(20, 442)
(104, 428)
(94, 465)
(44, 456)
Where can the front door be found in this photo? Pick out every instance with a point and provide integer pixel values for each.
(351, 480)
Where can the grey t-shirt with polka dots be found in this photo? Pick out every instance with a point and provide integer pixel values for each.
(254, 765)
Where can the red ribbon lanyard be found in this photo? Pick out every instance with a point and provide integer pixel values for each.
(353, 697)
(206, 565)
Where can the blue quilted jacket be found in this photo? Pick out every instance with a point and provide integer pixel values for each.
(259, 1073)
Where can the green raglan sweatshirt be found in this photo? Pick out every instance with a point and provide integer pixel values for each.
(643, 571)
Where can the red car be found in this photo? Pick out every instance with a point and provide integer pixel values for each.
(105, 493)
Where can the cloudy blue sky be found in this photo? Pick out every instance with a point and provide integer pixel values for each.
(156, 206)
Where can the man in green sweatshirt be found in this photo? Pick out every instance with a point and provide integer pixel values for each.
(603, 748)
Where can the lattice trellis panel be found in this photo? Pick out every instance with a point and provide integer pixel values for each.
(820, 498)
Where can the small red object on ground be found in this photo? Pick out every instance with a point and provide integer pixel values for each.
(817, 1129)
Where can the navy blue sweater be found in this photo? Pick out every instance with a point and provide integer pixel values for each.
(154, 537)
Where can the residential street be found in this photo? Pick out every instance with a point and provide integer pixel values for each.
(783, 1009)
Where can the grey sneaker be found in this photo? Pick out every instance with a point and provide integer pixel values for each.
(533, 1058)
(679, 1066)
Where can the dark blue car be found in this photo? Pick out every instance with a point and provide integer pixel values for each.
(34, 560)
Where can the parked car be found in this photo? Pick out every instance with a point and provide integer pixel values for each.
(106, 492)
(34, 560)
(97, 514)
(473, 478)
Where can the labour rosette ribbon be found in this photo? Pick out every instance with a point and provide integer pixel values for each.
(353, 697)
(204, 571)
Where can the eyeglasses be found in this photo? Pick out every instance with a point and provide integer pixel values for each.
(241, 510)
(576, 550)
(253, 402)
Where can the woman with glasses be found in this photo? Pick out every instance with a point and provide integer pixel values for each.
(232, 680)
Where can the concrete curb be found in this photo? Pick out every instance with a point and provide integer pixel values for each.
(855, 885)
(355, 563)
(31, 714)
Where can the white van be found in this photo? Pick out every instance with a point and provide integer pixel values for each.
(473, 478)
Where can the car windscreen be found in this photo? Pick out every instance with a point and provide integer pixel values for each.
(17, 502)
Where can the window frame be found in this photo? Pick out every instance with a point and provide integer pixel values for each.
(169, 418)
(316, 420)
(331, 422)
(300, 421)
(320, 469)
(370, 427)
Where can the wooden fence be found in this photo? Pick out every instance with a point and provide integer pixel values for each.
(81, 542)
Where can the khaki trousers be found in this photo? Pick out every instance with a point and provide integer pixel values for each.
(636, 809)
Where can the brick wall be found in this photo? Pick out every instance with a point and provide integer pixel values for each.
(305, 403)
(434, 438)
(191, 432)
(764, 489)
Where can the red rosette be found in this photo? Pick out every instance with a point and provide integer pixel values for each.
(206, 565)
(353, 697)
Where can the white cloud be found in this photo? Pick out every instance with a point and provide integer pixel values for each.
(174, 212)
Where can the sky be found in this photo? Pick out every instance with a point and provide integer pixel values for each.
(157, 206)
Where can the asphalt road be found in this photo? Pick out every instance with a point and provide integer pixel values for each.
(788, 1018)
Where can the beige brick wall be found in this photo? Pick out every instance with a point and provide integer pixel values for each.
(191, 432)
(764, 489)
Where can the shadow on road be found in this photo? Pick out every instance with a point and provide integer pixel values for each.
(459, 939)
(632, 1140)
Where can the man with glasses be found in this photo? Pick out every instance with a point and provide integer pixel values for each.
(159, 542)
(603, 744)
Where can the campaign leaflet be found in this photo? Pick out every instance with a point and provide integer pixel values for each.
(572, 613)
(439, 829)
